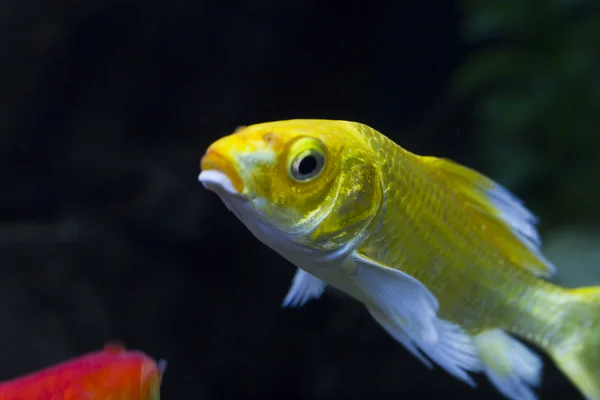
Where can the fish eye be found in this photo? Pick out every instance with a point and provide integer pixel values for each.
(307, 165)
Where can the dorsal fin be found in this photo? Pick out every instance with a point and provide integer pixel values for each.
(508, 222)
(114, 347)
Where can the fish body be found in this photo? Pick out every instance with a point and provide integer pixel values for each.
(111, 374)
(446, 260)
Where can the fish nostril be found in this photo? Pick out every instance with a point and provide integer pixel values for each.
(269, 137)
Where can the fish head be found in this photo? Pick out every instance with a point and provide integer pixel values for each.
(151, 379)
(124, 374)
(298, 185)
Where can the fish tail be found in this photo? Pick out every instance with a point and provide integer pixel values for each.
(577, 352)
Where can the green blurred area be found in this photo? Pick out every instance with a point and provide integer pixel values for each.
(533, 83)
(576, 252)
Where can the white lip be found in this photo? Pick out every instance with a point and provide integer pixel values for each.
(217, 181)
(162, 366)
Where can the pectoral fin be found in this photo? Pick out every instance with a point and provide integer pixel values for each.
(399, 334)
(455, 352)
(304, 287)
(408, 311)
(400, 296)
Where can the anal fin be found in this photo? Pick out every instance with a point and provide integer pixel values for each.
(511, 367)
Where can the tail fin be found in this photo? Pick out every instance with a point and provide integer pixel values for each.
(578, 354)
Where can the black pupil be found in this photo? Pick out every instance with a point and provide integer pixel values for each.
(307, 165)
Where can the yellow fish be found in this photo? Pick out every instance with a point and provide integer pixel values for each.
(447, 261)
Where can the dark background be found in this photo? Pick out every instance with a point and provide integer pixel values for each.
(107, 107)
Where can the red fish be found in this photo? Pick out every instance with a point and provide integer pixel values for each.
(110, 374)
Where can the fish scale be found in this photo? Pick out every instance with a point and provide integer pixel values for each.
(446, 260)
(464, 298)
(407, 237)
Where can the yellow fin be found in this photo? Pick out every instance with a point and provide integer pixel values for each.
(578, 354)
(508, 223)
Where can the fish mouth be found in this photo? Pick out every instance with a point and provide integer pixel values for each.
(219, 174)
(221, 178)
(151, 379)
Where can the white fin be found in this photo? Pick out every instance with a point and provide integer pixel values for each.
(162, 366)
(522, 222)
(511, 367)
(411, 311)
(398, 334)
(455, 352)
(515, 214)
(400, 296)
(304, 287)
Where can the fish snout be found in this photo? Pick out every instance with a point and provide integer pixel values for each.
(217, 163)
